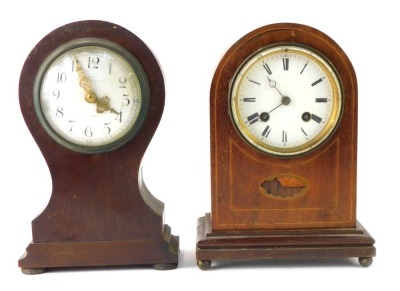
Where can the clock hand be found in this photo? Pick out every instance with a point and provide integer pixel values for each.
(276, 107)
(102, 104)
(85, 83)
(272, 84)
(285, 99)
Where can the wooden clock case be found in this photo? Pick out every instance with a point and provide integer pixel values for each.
(100, 212)
(265, 206)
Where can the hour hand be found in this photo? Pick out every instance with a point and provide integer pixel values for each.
(103, 104)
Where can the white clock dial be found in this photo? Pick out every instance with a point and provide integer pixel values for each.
(286, 100)
(91, 98)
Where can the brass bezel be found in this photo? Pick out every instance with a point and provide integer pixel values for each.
(334, 80)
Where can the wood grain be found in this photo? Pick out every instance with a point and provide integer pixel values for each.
(237, 169)
(96, 197)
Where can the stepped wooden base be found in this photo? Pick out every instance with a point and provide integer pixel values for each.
(162, 254)
(281, 244)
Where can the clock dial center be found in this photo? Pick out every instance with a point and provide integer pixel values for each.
(90, 97)
(285, 100)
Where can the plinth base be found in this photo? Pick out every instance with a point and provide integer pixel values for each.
(162, 254)
(281, 244)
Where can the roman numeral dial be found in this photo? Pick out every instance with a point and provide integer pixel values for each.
(286, 100)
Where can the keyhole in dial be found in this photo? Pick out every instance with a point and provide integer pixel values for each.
(264, 116)
(306, 116)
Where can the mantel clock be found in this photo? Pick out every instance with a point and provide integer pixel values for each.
(92, 95)
(283, 107)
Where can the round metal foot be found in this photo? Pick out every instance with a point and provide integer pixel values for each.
(365, 262)
(33, 271)
(164, 267)
(204, 264)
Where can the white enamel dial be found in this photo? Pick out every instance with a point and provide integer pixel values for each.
(286, 100)
(90, 97)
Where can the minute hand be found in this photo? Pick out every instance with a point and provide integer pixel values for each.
(272, 84)
(85, 83)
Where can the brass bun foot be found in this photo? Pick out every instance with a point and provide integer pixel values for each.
(365, 262)
(204, 264)
(33, 271)
(164, 267)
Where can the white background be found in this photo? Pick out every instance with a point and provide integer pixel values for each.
(189, 38)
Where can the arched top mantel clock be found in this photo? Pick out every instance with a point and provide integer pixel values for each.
(283, 111)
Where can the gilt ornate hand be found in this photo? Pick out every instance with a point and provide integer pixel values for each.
(102, 104)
